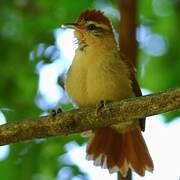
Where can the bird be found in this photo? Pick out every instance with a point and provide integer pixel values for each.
(100, 72)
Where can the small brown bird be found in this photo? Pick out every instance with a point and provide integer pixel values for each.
(99, 72)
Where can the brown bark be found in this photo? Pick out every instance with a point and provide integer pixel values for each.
(128, 45)
(87, 118)
(127, 29)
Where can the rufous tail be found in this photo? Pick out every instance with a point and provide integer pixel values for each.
(119, 151)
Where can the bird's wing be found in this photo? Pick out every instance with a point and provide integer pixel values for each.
(135, 85)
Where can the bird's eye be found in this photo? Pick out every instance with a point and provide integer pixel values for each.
(91, 27)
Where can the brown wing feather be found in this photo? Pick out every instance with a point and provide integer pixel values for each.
(135, 85)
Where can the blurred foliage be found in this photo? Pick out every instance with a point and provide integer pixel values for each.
(161, 72)
(26, 23)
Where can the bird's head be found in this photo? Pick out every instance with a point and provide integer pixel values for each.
(92, 26)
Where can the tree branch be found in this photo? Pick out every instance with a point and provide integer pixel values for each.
(127, 29)
(127, 41)
(87, 118)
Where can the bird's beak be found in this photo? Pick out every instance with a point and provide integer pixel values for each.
(70, 26)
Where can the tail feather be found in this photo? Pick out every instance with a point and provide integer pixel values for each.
(119, 151)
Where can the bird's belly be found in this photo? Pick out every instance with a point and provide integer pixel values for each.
(107, 85)
(94, 85)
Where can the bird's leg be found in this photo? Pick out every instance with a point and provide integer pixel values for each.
(102, 106)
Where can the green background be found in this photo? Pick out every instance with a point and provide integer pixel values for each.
(26, 23)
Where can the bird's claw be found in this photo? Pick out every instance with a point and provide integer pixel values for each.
(54, 112)
(102, 106)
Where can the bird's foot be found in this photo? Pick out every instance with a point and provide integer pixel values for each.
(102, 106)
(54, 112)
